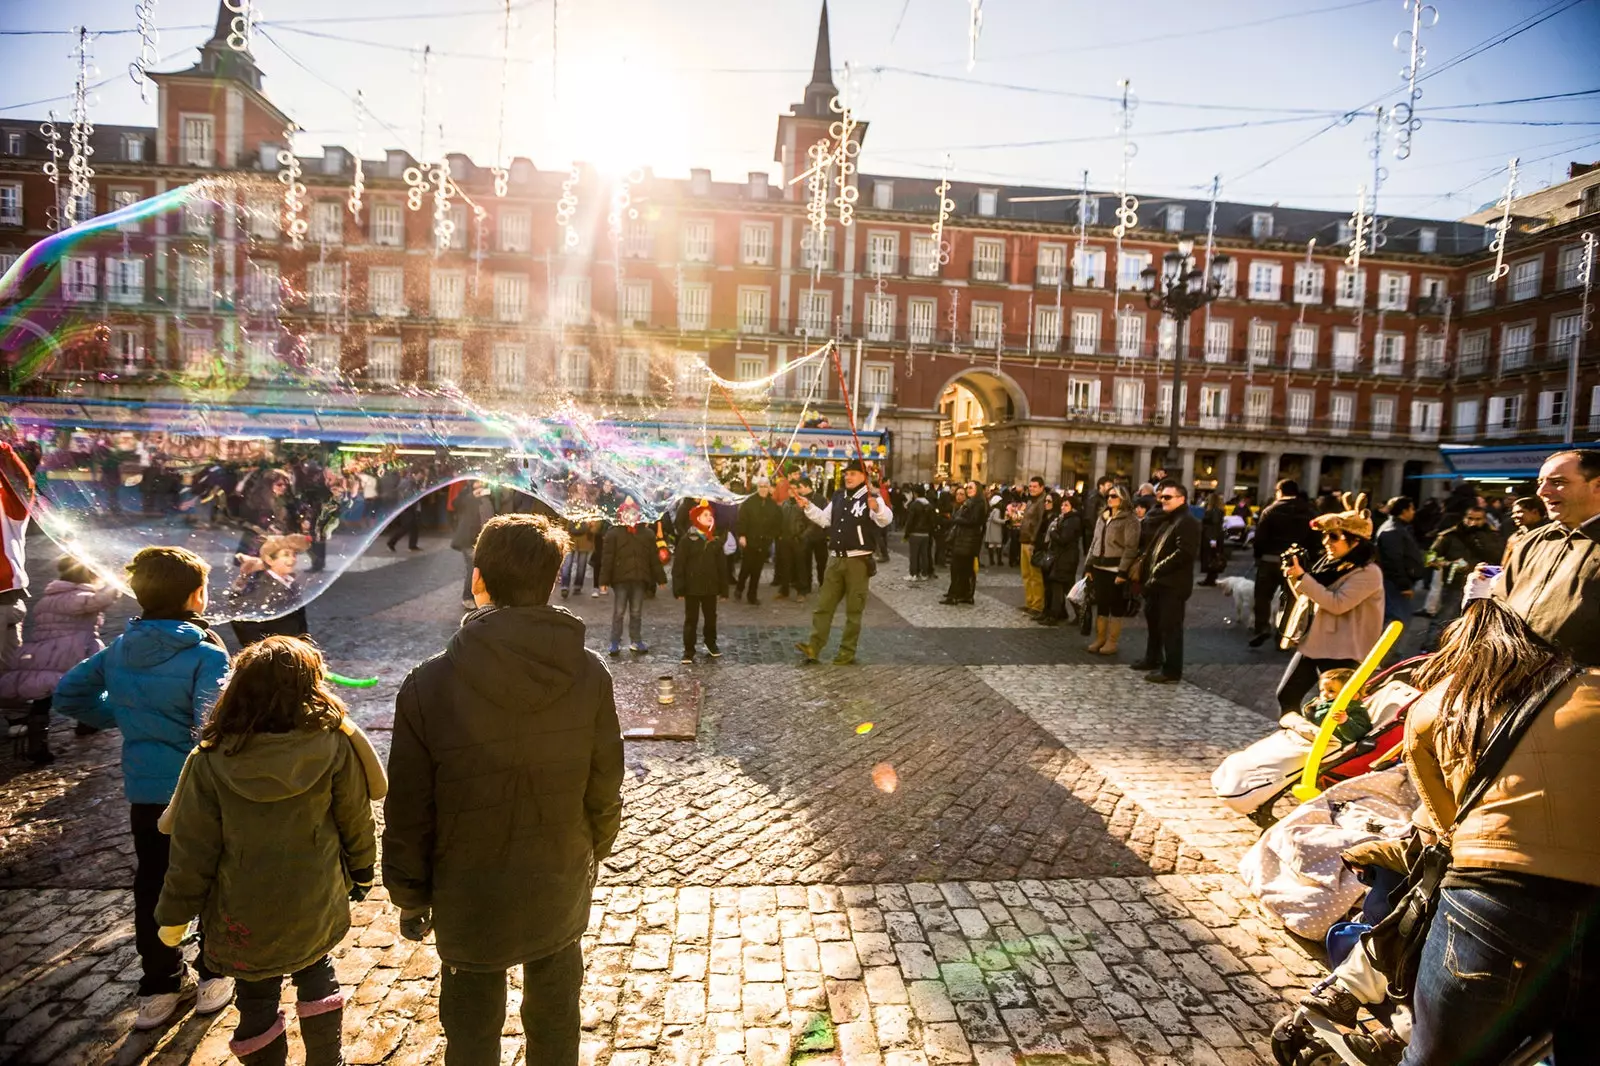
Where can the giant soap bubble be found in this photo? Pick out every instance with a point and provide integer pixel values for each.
(180, 373)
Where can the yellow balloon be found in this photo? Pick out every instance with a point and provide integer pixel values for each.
(1307, 788)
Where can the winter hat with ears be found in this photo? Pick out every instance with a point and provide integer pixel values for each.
(703, 517)
(1355, 519)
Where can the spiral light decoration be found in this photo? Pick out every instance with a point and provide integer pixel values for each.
(1406, 122)
(1127, 204)
(244, 19)
(567, 207)
(444, 227)
(145, 13)
(52, 166)
(1501, 228)
(941, 246)
(79, 172)
(295, 224)
(358, 180)
(845, 150)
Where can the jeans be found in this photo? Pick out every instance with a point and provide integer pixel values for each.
(472, 1009)
(846, 580)
(1502, 963)
(466, 578)
(317, 995)
(408, 525)
(963, 576)
(921, 546)
(1300, 677)
(1269, 578)
(1163, 613)
(629, 597)
(152, 851)
(817, 551)
(754, 557)
(1396, 607)
(793, 565)
(693, 608)
(573, 568)
(1449, 611)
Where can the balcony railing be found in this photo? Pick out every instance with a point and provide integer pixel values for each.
(1157, 416)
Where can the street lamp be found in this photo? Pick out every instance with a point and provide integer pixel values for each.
(1180, 289)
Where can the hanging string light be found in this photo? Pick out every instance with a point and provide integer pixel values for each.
(358, 180)
(502, 175)
(52, 167)
(139, 70)
(245, 16)
(79, 172)
(567, 207)
(1501, 228)
(444, 227)
(942, 247)
(845, 150)
(1406, 122)
(295, 225)
(1360, 232)
(1127, 204)
(974, 30)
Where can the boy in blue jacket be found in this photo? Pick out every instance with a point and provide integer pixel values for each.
(156, 683)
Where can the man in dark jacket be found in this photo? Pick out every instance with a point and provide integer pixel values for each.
(760, 523)
(1167, 569)
(1456, 551)
(1284, 522)
(792, 559)
(966, 539)
(1549, 577)
(919, 530)
(1400, 559)
(505, 793)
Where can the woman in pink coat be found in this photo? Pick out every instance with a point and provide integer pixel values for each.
(65, 630)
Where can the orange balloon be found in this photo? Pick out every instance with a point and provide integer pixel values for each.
(884, 779)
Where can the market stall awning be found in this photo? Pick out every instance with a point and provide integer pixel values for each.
(1508, 462)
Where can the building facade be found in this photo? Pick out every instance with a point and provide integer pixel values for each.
(1019, 347)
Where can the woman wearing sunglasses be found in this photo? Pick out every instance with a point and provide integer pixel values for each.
(1343, 592)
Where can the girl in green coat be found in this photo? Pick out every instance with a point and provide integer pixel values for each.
(272, 837)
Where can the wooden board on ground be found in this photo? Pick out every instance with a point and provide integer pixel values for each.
(644, 717)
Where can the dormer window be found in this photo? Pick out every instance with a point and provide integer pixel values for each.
(758, 185)
(883, 195)
(13, 142)
(988, 202)
(1089, 211)
(700, 183)
(1260, 225)
(1427, 240)
(132, 148)
(1175, 214)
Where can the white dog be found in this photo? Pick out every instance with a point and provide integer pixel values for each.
(1243, 592)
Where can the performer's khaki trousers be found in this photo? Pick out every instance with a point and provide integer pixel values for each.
(846, 579)
(1032, 581)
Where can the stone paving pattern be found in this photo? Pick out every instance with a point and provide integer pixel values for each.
(1048, 881)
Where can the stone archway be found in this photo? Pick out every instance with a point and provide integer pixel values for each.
(973, 403)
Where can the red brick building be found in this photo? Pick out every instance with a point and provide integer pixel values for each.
(1026, 352)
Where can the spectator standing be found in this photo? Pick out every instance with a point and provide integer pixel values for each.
(1551, 576)
(792, 559)
(994, 530)
(1113, 550)
(700, 579)
(1343, 592)
(1284, 522)
(760, 523)
(17, 494)
(1063, 540)
(1166, 568)
(631, 569)
(1527, 515)
(966, 538)
(1033, 518)
(1213, 554)
(1400, 559)
(474, 508)
(504, 875)
(1457, 550)
(919, 531)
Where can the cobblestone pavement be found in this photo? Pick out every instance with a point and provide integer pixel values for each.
(1019, 861)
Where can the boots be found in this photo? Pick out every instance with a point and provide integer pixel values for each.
(1099, 636)
(39, 734)
(1113, 631)
(320, 1024)
(271, 1048)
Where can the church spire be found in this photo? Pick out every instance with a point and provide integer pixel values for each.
(821, 90)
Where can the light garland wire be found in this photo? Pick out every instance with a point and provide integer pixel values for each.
(502, 176)
(1211, 253)
(567, 207)
(1377, 227)
(941, 247)
(295, 225)
(444, 227)
(1083, 229)
(245, 15)
(139, 70)
(480, 245)
(1423, 16)
(358, 180)
(955, 321)
(79, 172)
(1127, 204)
(417, 186)
(974, 31)
(52, 166)
(845, 150)
(1360, 223)
(1503, 227)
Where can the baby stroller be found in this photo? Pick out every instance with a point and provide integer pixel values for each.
(1250, 781)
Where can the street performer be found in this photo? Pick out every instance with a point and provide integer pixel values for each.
(850, 562)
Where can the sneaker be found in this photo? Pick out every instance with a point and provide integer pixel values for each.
(842, 660)
(615, 650)
(1156, 677)
(566, 593)
(1142, 665)
(805, 650)
(1259, 639)
(639, 648)
(688, 658)
(1334, 1003)
(468, 605)
(713, 652)
(215, 994)
(156, 1011)
(595, 595)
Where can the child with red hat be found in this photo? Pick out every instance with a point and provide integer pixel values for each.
(700, 578)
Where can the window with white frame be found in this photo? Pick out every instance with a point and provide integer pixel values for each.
(444, 360)
(196, 217)
(1166, 338)
(1352, 291)
(694, 307)
(1346, 349)
(508, 365)
(123, 198)
(754, 309)
(262, 289)
(1302, 347)
(810, 382)
(883, 253)
(924, 256)
(1262, 344)
(1129, 266)
(1564, 333)
(755, 243)
(449, 294)
(1425, 418)
(1260, 225)
(516, 231)
(259, 359)
(14, 142)
(883, 195)
(1164, 403)
(1480, 291)
(633, 372)
(1129, 401)
(1394, 290)
(1174, 218)
(388, 225)
(637, 242)
(125, 279)
(199, 140)
(1525, 279)
(1219, 339)
(1516, 344)
(689, 373)
(1569, 260)
(261, 213)
(78, 278)
(1346, 232)
(386, 291)
(7, 261)
(1266, 280)
(195, 281)
(126, 352)
(383, 360)
(1089, 267)
(985, 325)
(1472, 352)
(1051, 267)
(1230, 279)
(1085, 332)
(327, 222)
(1390, 358)
(1383, 408)
(458, 224)
(510, 297)
(1505, 415)
(1465, 424)
(877, 382)
(1297, 417)
(1130, 334)
(921, 315)
(988, 259)
(988, 202)
(572, 301)
(1046, 328)
(1430, 354)
(1427, 240)
(1432, 295)
(635, 303)
(1308, 283)
(816, 313)
(197, 349)
(10, 203)
(1083, 396)
(324, 283)
(750, 367)
(1341, 411)
(1552, 408)
(1213, 406)
(1257, 407)
(572, 368)
(697, 240)
(880, 317)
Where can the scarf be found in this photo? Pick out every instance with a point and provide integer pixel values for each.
(1327, 569)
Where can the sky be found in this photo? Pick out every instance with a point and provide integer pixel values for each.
(674, 84)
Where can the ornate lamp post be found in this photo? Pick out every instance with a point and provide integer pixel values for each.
(1180, 289)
